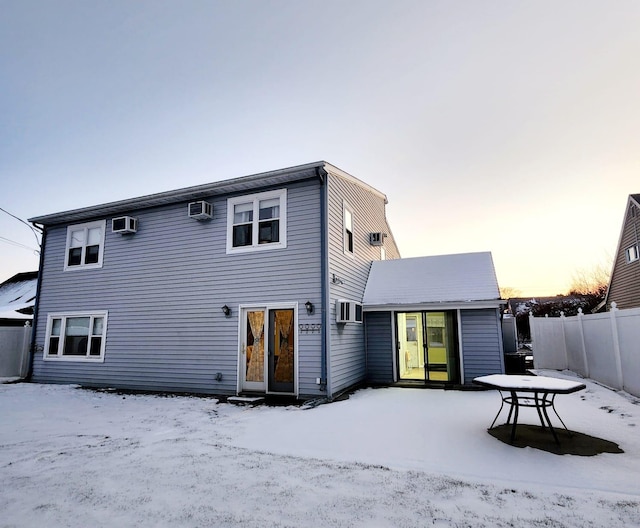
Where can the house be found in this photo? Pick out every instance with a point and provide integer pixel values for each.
(251, 285)
(441, 314)
(624, 283)
(17, 299)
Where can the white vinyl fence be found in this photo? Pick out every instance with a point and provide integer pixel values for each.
(604, 347)
(14, 350)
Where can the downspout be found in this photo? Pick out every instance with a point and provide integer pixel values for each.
(36, 307)
(324, 258)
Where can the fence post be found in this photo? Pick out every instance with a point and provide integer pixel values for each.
(583, 345)
(616, 345)
(24, 352)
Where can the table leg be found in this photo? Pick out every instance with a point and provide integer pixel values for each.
(546, 415)
(538, 406)
(514, 405)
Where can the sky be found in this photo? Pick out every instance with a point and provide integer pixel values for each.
(382, 458)
(510, 127)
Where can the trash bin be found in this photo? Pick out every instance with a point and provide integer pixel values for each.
(515, 363)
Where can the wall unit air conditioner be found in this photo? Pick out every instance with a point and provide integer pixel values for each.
(348, 311)
(200, 210)
(376, 239)
(124, 225)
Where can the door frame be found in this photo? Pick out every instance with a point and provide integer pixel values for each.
(242, 317)
(455, 336)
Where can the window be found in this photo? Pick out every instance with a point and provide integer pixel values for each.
(348, 229)
(76, 337)
(632, 253)
(85, 244)
(257, 222)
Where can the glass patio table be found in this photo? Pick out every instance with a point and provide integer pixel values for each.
(529, 391)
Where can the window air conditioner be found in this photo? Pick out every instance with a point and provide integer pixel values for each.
(348, 311)
(124, 224)
(376, 239)
(200, 210)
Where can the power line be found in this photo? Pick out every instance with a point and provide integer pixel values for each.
(33, 230)
(17, 244)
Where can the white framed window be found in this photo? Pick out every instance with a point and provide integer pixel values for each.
(257, 222)
(85, 246)
(632, 253)
(76, 336)
(347, 228)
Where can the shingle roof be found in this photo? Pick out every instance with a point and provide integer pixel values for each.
(242, 184)
(460, 278)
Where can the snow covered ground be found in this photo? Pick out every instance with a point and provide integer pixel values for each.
(390, 457)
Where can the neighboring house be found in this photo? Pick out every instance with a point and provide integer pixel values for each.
(624, 284)
(250, 285)
(17, 299)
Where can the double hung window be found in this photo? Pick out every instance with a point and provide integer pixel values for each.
(76, 337)
(85, 245)
(257, 222)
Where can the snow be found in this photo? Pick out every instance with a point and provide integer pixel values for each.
(463, 277)
(542, 383)
(391, 457)
(17, 296)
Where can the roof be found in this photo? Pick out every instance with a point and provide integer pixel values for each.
(317, 169)
(18, 293)
(443, 281)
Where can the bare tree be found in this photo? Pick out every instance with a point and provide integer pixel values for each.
(593, 282)
(508, 292)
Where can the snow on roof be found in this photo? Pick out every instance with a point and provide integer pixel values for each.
(18, 293)
(465, 277)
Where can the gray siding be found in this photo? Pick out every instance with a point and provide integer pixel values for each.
(624, 289)
(163, 288)
(347, 361)
(481, 343)
(380, 347)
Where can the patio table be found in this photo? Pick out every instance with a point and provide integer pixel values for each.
(529, 391)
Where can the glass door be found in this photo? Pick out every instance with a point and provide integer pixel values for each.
(281, 351)
(426, 346)
(267, 350)
(252, 349)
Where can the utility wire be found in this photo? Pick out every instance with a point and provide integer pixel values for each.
(18, 244)
(33, 230)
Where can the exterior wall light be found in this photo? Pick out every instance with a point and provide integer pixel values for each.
(309, 306)
(226, 310)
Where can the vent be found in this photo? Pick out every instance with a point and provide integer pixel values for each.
(124, 225)
(200, 210)
(376, 239)
(348, 311)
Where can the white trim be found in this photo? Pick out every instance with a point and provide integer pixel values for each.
(460, 346)
(631, 253)
(434, 307)
(64, 316)
(255, 199)
(102, 224)
(346, 207)
(266, 307)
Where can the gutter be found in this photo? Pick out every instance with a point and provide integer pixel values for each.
(36, 306)
(324, 258)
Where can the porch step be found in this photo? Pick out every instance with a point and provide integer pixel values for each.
(245, 400)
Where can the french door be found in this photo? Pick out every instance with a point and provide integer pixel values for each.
(268, 342)
(426, 346)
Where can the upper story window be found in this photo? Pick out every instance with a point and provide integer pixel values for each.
(632, 253)
(257, 222)
(75, 337)
(348, 229)
(85, 245)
